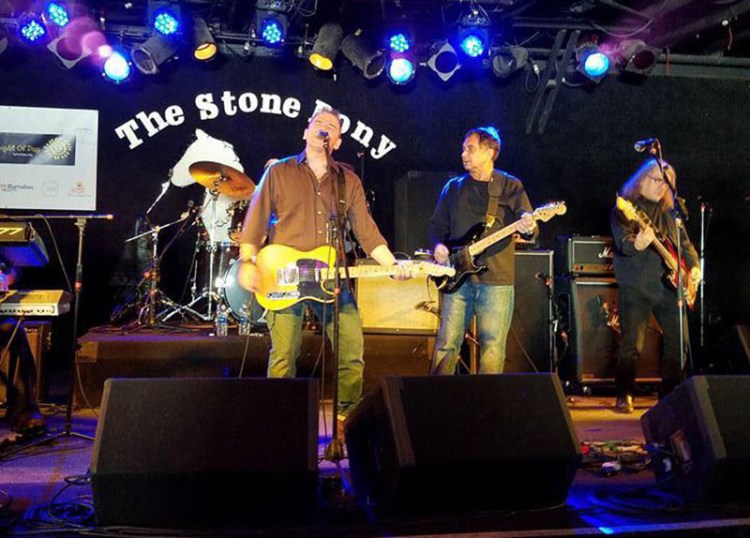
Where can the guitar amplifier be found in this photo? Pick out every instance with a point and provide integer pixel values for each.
(39, 336)
(584, 255)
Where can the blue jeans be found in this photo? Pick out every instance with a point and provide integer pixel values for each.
(286, 337)
(493, 307)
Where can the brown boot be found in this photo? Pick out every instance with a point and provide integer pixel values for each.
(624, 405)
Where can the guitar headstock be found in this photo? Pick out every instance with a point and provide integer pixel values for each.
(627, 209)
(546, 212)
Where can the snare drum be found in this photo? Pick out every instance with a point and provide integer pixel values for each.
(224, 254)
(239, 299)
(238, 212)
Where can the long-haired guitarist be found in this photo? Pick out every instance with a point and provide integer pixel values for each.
(493, 199)
(297, 204)
(645, 233)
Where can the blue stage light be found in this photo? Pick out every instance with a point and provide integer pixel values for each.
(272, 31)
(57, 14)
(116, 68)
(399, 42)
(472, 45)
(32, 29)
(596, 64)
(165, 22)
(401, 70)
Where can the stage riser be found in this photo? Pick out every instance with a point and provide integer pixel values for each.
(103, 356)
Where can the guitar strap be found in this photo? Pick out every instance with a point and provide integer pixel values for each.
(496, 188)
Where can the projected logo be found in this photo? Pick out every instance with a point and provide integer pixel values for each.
(42, 149)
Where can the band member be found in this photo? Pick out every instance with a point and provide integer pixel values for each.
(21, 412)
(639, 268)
(496, 198)
(296, 204)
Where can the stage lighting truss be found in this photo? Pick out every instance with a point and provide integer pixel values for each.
(326, 46)
(592, 62)
(363, 56)
(507, 60)
(634, 56)
(444, 61)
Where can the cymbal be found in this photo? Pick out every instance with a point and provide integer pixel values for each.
(222, 179)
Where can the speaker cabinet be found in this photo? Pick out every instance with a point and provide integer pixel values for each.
(528, 346)
(589, 309)
(482, 442)
(38, 334)
(190, 452)
(700, 431)
(416, 194)
(392, 306)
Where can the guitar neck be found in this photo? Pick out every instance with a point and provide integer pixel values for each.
(486, 242)
(358, 271)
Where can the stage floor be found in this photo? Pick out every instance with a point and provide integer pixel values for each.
(626, 502)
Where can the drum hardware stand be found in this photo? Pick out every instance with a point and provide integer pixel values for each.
(212, 297)
(154, 295)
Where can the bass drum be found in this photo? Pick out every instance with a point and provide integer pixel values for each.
(238, 299)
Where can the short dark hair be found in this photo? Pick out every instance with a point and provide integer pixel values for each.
(327, 110)
(488, 138)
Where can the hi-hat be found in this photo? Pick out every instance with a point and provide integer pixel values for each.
(222, 179)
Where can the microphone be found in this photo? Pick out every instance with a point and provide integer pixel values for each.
(190, 209)
(646, 143)
(323, 135)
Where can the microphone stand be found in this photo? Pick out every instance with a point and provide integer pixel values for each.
(334, 452)
(705, 208)
(678, 219)
(80, 223)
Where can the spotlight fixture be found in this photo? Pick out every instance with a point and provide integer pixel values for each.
(204, 45)
(444, 60)
(116, 67)
(634, 56)
(164, 17)
(77, 41)
(363, 57)
(593, 63)
(401, 68)
(31, 28)
(473, 33)
(507, 60)
(152, 53)
(57, 14)
(271, 22)
(326, 46)
(399, 41)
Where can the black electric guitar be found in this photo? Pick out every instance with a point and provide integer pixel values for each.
(463, 259)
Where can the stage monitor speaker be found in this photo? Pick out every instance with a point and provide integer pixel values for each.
(700, 435)
(589, 308)
(399, 307)
(428, 444)
(416, 194)
(528, 344)
(195, 452)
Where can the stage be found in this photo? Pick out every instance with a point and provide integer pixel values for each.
(47, 488)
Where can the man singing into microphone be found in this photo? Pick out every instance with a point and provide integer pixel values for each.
(640, 268)
(297, 203)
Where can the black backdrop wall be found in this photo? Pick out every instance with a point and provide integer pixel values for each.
(584, 156)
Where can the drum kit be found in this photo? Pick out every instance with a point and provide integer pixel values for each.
(213, 273)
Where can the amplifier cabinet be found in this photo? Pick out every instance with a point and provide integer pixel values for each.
(39, 336)
(588, 308)
(584, 255)
(397, 306)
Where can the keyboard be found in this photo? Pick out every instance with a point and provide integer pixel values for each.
(34, 302)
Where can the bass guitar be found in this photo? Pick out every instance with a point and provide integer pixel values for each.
(466, 249)
(666, 250)
(287, 276)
